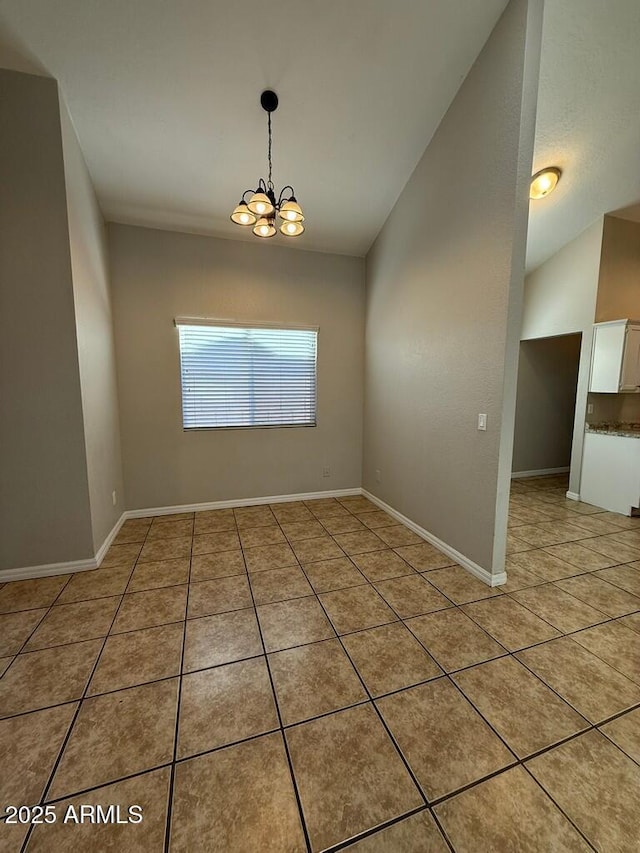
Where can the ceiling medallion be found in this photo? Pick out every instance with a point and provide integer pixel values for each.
(261, 209)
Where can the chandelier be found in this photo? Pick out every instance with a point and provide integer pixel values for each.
(261, 209)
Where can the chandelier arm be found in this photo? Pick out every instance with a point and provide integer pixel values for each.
(282, 192)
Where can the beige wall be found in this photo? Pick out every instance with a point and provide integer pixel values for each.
(619, 280)
(444, 282)
(545, 403)
(158, 275)
(44, 503)
(94, 330)
(560, 298)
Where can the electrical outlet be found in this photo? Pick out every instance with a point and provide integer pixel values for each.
(589, 408)
(482, 422)
(377, 475)
(114, 497)
(326, 471)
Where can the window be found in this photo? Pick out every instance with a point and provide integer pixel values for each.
(246, 376)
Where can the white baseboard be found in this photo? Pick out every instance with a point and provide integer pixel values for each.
(102, 550)
(541, 472)
(573, 496)
(476, 570)
(269, 499)
(45, 571)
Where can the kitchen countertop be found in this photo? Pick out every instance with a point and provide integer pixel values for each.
(626, 430)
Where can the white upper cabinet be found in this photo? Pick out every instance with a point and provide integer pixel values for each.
(615, 360)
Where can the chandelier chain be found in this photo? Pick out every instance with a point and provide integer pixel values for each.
(270, 184)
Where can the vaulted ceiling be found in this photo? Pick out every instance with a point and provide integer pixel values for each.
(165, 100)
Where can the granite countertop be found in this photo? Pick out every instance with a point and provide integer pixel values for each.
(626, 430)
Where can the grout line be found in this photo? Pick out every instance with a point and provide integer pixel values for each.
(167, 837)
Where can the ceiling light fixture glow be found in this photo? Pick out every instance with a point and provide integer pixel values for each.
(262, 207)
(544, 182)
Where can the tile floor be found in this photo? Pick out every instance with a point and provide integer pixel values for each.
(313, 676)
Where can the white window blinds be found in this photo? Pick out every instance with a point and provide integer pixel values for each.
(246, 376)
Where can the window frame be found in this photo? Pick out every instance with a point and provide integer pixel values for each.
(241, 324)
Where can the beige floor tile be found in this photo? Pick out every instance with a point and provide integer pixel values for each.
(31, 594)
(613, 549)
(510, 623)
(460, 585)
(398, 535)
(551, 533)
(544, 564)
(516, 545)
(626, 577)
(291, 513)
(72, 623)
(218, 596)
(376, 519)
(625, 733)
(152, 607)
(253, 807)
(100, 583)
(150, 791)
(213, 543)
(454, 640)
(382, 565)
(598, 788)
(314, 679)
(159, 574)
(293, 623)
(223, 705)
(118, 734)
(360, 542)
(627, 537)
(48, 677)
(625, 522)
(632, 621)
(4, 664)
(16, 628)
(346, 523)
(154, 652)
(552, 603)
(121, 555)
(214, 521)
(170, 529)
(598, 593)
(577, 555)
(167, 549)
(594, 525)
(254, 516)
(356, 608)
(133, 530)
(415, 834)
(279, 585)
(169, 518)
(589, 684)
(524, 712)
(424, 557)
(389, 658)
(256, 537)
(616, 644)
(525, 820)
(519, 578)
(322, 548)
(345, 765)
(29, 745)
(224, 638)
(445, 741)
(296, 531)
(224, 564)
(269, 557)
(327, 511)
(326, 575)
(12, 836)
(358, 504)
(411, 596)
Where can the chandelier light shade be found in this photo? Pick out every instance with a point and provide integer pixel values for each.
(259, 207)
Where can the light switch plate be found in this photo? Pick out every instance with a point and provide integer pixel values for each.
(482, 422)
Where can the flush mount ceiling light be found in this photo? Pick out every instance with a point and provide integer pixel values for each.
(261, 207)
(544, 182)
